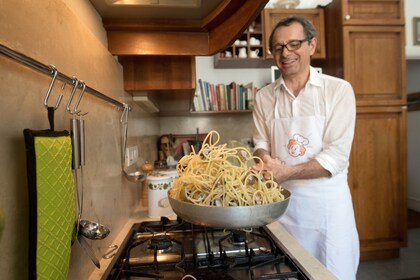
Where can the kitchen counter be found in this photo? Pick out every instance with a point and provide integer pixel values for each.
(287, 243)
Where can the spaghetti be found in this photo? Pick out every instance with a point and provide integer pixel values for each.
(221, 176)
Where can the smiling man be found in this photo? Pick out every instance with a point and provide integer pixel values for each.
(303, 131)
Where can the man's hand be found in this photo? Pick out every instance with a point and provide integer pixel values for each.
(282, 172)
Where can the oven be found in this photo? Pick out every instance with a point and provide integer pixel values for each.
(174, 249)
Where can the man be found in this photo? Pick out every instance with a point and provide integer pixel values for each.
(303, 131)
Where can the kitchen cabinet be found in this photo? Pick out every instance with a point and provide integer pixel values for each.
(377, 178)
(316, 16)
(373, 12)
(365, 46)
(168, 82)
(264, 24)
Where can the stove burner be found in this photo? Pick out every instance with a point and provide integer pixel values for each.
(160, 242)
(238, 237)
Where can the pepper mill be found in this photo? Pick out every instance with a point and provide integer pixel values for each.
(146, 168)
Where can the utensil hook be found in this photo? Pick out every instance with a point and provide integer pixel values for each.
(76, 107)
(47, 96)
(75, 84)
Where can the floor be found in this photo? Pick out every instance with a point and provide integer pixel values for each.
(407, 267)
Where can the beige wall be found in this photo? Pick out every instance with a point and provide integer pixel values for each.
(50, 32)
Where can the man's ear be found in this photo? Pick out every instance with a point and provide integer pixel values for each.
(313, 43)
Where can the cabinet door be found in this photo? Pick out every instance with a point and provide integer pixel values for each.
(377, 179)
(373, 12)
(374, 63)
(316, 16)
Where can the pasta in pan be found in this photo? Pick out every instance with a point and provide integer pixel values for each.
(220, 176)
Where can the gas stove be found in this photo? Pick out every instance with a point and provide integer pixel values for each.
(174, 249)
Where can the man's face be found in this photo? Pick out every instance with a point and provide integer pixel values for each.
(292, 62)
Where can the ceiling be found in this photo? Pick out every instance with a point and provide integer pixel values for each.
(155, 9)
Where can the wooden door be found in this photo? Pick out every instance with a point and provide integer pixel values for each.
(374, 63)
(373, 12)
(377, 178)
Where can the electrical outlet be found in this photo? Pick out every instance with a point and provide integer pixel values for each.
(131, 155)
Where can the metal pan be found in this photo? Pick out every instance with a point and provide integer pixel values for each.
(233, 217)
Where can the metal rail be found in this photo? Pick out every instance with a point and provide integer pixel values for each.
(49, 70)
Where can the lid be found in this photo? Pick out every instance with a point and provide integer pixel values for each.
(155, 176)
(169, 172)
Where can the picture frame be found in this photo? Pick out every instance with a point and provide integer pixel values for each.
(416, 31)
(181, 143)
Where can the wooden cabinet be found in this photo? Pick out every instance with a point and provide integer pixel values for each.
(316, 16)
(377, 179)
(374, 63)
(251, 41)
(261, 32)
(373, 12)
(365, 46)
(168, 82)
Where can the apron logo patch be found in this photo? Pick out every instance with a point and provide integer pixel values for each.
(296, 146)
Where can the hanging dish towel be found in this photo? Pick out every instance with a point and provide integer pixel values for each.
(52, 213)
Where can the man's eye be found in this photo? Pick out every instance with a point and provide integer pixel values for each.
(293, 44)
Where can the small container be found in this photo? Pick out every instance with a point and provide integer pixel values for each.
(158, 203)
(171, 173)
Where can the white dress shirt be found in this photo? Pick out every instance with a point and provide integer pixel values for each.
(337, 106)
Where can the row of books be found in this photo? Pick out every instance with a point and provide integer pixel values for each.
(223, 97)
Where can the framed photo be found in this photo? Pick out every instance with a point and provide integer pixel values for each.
(182, 146)
(416, 30)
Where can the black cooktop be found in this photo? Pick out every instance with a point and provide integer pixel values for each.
(174, 249)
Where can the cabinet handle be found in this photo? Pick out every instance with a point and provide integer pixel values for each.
(347, 17)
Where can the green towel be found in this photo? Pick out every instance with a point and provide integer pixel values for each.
(52, 216)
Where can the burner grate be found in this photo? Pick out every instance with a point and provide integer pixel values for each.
(172, 249)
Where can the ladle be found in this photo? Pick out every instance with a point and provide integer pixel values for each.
(78, 134)
(93, 230)
(136, 176)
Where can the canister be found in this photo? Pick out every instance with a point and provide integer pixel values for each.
(171, 173)
(158, 185)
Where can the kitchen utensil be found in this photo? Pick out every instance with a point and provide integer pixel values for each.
(136, 176)
(242, 53)
(86, 247)
(89, 229)
(232, 217)
(93, 230)
(254, 53)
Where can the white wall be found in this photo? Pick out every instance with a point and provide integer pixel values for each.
(412, 9)
(206, 71)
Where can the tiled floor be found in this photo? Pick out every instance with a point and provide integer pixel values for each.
(406, 267)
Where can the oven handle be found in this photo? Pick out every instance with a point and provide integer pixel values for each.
(111, 252)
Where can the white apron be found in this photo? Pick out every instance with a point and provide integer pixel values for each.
(320, 213)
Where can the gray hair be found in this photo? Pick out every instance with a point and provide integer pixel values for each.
(308, 27)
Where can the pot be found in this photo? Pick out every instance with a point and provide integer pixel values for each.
(232, 217)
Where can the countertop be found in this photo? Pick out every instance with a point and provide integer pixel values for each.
(287, 243)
